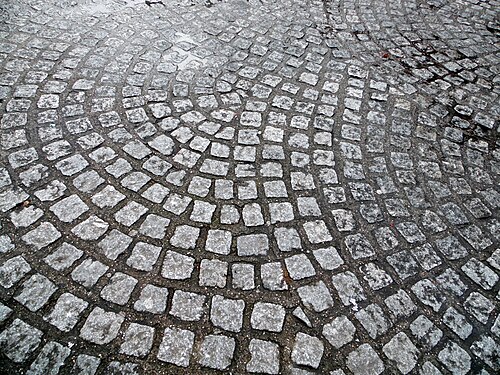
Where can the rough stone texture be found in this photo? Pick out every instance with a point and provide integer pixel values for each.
(19, 340)
(364, 360)
(50, 359)
(179, 176)
(176, 346)
(339, 331)
(138, 340)
(101, 327)
(217, 351)
(227, 314)
(307, 350)
(402, 351)
(267, 316)
(265, 357)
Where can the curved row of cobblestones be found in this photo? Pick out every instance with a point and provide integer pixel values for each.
(301, 187)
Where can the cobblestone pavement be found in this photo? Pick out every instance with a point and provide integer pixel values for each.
(277, 187)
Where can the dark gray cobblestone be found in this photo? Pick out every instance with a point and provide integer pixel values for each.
(238, 186)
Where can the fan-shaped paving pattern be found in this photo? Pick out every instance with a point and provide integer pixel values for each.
(242, 187)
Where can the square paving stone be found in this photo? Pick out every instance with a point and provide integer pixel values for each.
(88, 181)
(243, 276)
(479, 306)
(11, 197)
(487, 350)
(90, 229)
(400, 305)
(185, 237)
(26, 217)
(455, 359)
(50, 359)
(317, 232)
(272, 276)
(364, 361)
(359, 246)
(137, 149)
(66, 312)
(69, 209)
(202, 212)
(281, 212)
(156, 193)
(119, 289)
(217, 352)
(213, 273)
(138, 340)
(252, 244)
(328, 258)
(219, 241)
(176, 203)
(401, 350)
(144, 256)
(154, 165)
(348, 288)
(288, 239)
(114, 244)
(130, 213)
(19, 340)
(372, 319)
(268, 317)
(177, 266)
(376, 277)
(344, 220)
(107, 197)
(35, 292)
(411, 232)
(187, 306)
(451, 282)
(457, 323)
(101, 327)
(404, 264)
(153, 299)
(176, 346)
(299, 267)
(429, 294)
(119, 168)
(227, 313)
(42, 236)
(252, 215)
(427, 257)
(426, 332)
(339, 332)
(135, 181)
(316, 296)
(264, 357)
(229, 214)
(13, 270)
(200, 186)
(275, 189)
(224, 189)
(451, 248)
(88, 272)
(69, 166)
(86, 365)
(480, 273)
(307, 350)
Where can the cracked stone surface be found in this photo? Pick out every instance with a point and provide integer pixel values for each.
(232, 186)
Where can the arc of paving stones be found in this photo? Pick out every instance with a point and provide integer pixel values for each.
(241, 184)
(445, 122)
